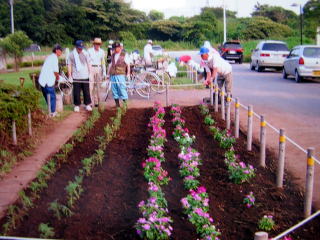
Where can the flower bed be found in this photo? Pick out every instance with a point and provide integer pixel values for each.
(196, 204)
(155, 222)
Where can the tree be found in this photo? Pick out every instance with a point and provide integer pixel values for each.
(14, 45)
(155, 15)
(311, 17)
(165, 30)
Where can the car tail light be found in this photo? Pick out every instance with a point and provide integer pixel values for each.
(265, 55)
(301, 61)
(285, 55)
(240, 50)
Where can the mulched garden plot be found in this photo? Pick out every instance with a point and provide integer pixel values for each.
(231, 216)
(108, 209)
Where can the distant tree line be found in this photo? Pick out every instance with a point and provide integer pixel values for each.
(50, 21)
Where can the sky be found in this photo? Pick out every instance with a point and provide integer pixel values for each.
(192, 7)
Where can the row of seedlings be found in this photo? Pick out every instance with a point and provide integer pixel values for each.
(74, 189)
(16, 212)
(196, 203)
(239, 172)
(155, 222)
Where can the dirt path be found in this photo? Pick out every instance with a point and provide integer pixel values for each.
(27, 170)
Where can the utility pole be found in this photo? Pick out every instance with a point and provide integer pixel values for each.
(301, 40)
(224, 22)
(12, 21)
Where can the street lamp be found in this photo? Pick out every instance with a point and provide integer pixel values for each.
(296, 5)
(224, 22)
(11, 10)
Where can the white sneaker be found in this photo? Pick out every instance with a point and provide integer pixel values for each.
(76, 109)
(55, 114)
(89, 108)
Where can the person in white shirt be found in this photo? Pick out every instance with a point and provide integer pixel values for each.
(79, 71)
(98, 70)
(217, 65)
(118, 69)
(147, 53)
(49, 75)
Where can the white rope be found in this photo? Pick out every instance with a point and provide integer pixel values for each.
(296, 226)
(278, 131)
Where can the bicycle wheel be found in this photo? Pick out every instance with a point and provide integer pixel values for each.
(141, 86)
(165, 77)
(157, 85)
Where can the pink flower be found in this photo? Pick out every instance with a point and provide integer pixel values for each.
(146, 227)
(202, 189)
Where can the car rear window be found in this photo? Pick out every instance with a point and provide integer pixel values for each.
(312, 52)
(275, 47)
(232, 45)
(156, 48)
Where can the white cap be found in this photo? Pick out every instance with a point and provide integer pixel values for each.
(121, 44)
(149, 41)
(110, 42)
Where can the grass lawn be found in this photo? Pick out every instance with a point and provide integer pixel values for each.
(13, 78)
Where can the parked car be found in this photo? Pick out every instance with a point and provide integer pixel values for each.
(157, 50)
(232, 50)
(33, 48)
(303, 61)
(269, 54)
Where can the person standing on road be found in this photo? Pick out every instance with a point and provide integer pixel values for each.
(217, 65)
(98, 70)
(79, 71)
(109, 52)
(49, 75)
(147, 53)
(118, 69)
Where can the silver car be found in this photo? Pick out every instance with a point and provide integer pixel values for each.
(157, 50)
(269, 54)
(302, 62)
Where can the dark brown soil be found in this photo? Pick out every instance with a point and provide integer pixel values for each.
(108, 207)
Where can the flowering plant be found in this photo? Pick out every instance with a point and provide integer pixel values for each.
(266, 223)
(196, 206)
(154, 223)
(240, 172)
(249, 200)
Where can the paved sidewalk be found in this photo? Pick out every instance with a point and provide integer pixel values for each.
(27, 170)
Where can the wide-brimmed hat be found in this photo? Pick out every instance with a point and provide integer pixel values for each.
(150, 41)
(97, 41)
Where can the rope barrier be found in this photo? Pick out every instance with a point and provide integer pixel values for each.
(296, 226)
(278, 131)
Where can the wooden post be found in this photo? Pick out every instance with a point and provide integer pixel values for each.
(228, 111)
(216, 98)
(32, 59)
(167, 95)
(21, 79)
(49, 103)
(282, 148)
(14, 132)
(33, 76)
(29, 123)
(309, 183)
(262, 142)
(250, 123)
(261, 236)
(237, 118)
(211, 94)
(223, 110)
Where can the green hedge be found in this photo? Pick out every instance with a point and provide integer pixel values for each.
(14, 105)
(36, 63)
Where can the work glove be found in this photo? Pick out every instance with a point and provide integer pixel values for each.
(70, 79)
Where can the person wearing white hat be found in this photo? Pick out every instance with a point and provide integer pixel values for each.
(98, 70)
(147, 53)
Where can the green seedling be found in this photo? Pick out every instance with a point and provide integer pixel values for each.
(60, 210)
(74, 190)
(99, 156)
(87, 165)
(26, 201)
(45, 230)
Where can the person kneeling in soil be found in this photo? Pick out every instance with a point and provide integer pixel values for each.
(79, 71)
(49, 75)
(118, 69)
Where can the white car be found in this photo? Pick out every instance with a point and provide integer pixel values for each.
(269, 54)
(157, 50)
(303, 61)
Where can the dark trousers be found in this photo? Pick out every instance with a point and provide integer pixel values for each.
(51, 91)
(81, 84)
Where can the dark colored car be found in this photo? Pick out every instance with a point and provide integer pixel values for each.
(232, 50)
